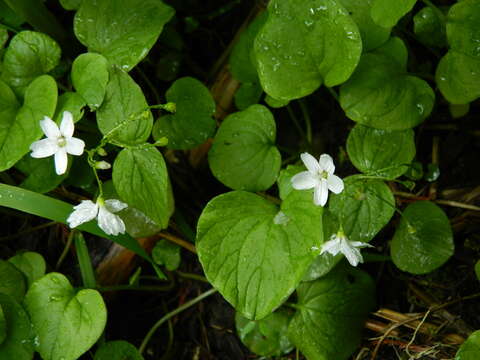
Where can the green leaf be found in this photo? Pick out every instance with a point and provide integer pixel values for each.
(167, 253)
(192, 124)
(18, 343)
(386, 13)
(384, 153)
(12, 281)
(470, 349)
(429, 28)
(477, 269)
(243, 155)
(18, 132)
(284, 181)
(423, 240)
(124, 114)
(275, 103)
(363, 208)
(331, 314)
(3, 326)
(29, 55)
(128, 31)
(9, 17)
(141, 180)
(69, 101)
(31, 264)
(67, 323)
(324, 48)
(255, 253)
(458, 75)
(248, 94)
(71, 4)
(117, 350)
(266, 337)
(381, 94)
(40, 174)
(90, 78)
(3, 37)
(372, 34)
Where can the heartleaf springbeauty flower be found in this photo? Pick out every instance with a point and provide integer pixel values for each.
(103, 210)
(59, 142)
(319, 177)
(339, 243)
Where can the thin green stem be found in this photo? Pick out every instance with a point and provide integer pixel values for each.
(65, 250)
(84, 261)
(192, 276)
(171, 314)
(145, 78)
(135, 288)
(306, 117)
(295, 121)
(32, 229)
(333, 93)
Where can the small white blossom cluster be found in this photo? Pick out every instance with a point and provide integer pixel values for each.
(319, 177)
(59, 142)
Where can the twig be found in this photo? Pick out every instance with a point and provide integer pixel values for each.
(183, 243)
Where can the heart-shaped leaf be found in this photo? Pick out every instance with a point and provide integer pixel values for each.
(67, 323)
(470, 349)
(386, 13)
(382, 95)
(17, 132)
(19, 339)
(12, 281)
(72, 102)
(29, 55)
(423, 240)
(429, 27)
(117, 350)
(90, 78)
(141, 179)
(384, 153)
(31, 264)
(128, 30)
(244, 155)
(40, 174)
(331, 314)
(255, 253)
(363, 208)
(458, 75)
(167, 253)
(324, 48)
(192, 124)
(124, 114)
(266, 337)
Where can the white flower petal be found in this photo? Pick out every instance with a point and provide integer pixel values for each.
(320, 194)
(75, 146)
(335, 184)
(114, 205)
(360, 244)
(61, 161)
(304, 180)
(49, 128)
(66, 126)
(331, 246)
(43, 148)
(351, 253)
(110, 223)
(310, 162)
(326, 163)
(83, 212)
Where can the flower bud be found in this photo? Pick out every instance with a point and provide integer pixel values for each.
(102, 165)
(101, 152)
(170, 107)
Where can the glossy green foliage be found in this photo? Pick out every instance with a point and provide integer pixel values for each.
(373, 35)
(429, 27)
(386, 13)
(31, 264)
(141, 180)
(167, 253)
(243, 155)
(192, 123)
(124, 114)
(266, 337)
(18, 343)
(382, 95)
(324, 48)
(423, 240)
(470, 349)
(384, 153)
(90, 78)
(477, 269)
(67, 323)
(458, 73)
(117, 350)
(12, 281)
(29, 55)
(128, 30)
(256, 253)
(331, 314)
(40, 174)
(364, 207)
(3, 326)
(20, 125)
(72, 102)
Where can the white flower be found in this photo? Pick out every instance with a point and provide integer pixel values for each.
(319, 176)
(103, 210)
(339, 243)
(59, 142)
